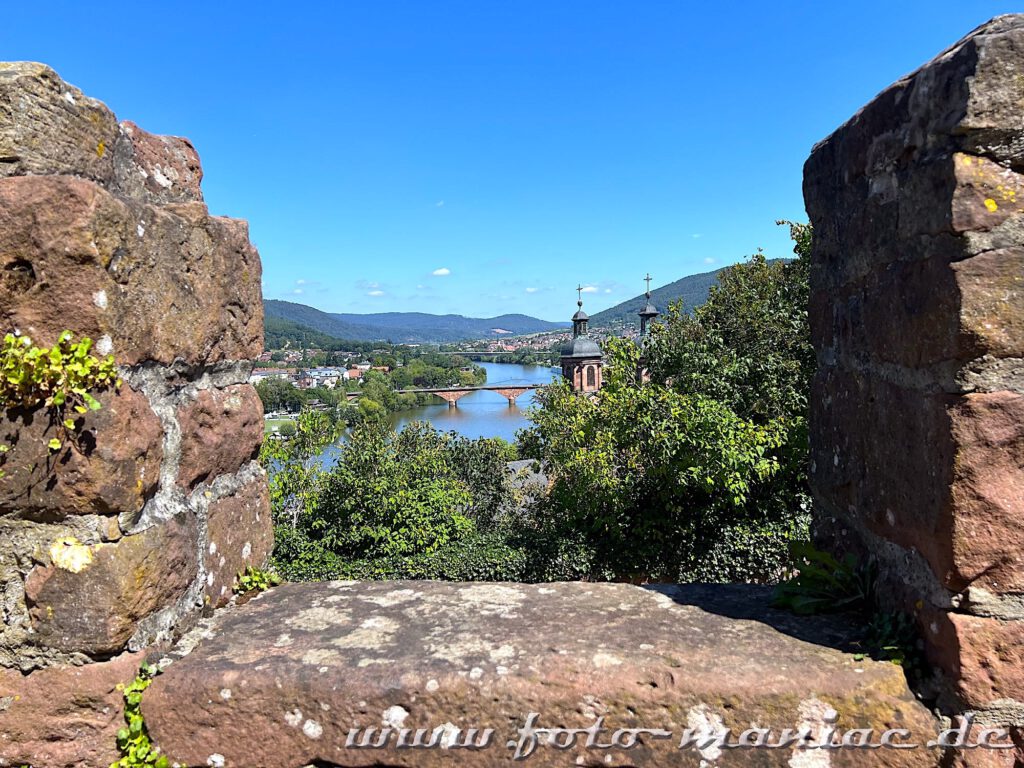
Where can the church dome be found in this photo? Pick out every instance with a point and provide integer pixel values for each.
(581, 347)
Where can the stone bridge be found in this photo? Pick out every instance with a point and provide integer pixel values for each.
(127, 551)
(451, 395)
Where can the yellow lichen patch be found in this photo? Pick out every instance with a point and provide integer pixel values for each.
(965, 159)
(991, 205)
(70, 554)
(101, 148)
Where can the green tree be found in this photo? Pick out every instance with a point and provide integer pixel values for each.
(414, 504)
(279, 395)
(292, 472)
(701, 474)
(391, 494)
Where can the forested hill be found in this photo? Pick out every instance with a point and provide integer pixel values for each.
(405, 327)
(692, 290)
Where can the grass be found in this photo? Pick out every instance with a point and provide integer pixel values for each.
(270, 425)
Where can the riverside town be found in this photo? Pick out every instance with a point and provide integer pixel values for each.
(550, 383)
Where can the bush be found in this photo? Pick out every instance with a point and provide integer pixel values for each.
(400, 505)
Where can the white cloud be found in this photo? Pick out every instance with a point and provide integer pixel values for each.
(300, 281)
(531, 290)
(695, 236)
(375, 293)
(590, 289)
(439, 204)
(297, 291)
(709, 260)
(420, 287)
(441, 272)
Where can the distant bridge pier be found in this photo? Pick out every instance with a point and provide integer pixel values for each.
(452, 396)
(512, 393)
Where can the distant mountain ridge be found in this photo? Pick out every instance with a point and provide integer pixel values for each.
(692, 290)
(405, 327)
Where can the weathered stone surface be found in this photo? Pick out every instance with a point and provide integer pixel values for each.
(988, 492)
(156, 169)
(64, 718)
(240, 533)
(939, 475)
(149, 283)
(991, 290)
(280, 681)
(984, 657)
(89, 599)
(221, 430)
(50, 127)
(112, 466)
(927, 312)
(917, 317)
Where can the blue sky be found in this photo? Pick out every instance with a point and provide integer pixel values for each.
(484, 157)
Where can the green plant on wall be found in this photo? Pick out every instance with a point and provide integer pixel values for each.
(825, 584)
(133, 740)
(60, 378)
(255, 579)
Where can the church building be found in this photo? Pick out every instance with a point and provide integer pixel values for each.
(581, 357)
(647, 316)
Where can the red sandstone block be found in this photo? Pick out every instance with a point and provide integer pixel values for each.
(240, 534)
(64, 717)
(89, 599)
(148, 283)
(112, 467)
(221, 430)
(984, 658)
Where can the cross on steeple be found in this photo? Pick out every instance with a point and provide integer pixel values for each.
(579, 294)
(648, 281)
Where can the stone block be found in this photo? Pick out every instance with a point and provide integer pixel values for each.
(240, 533)
(89, 599)
(982, 657)
(282, 680)
(221, 430)
(148, 283)
(66, 717)
(941, 475)
(156, 169)
(50, 127)
(988, 492)
(111, 466)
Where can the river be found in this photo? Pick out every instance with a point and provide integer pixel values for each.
(484, 414)
(479, 414)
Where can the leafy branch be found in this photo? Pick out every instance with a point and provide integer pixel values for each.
(60, 378)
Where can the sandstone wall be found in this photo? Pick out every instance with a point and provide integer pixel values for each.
(917, 314)
(123, 544)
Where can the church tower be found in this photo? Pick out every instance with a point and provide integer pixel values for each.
(647, 315)
(581, 357)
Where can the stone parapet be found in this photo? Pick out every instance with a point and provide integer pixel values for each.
(127, 535)
(286, 679)
(917, 316)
